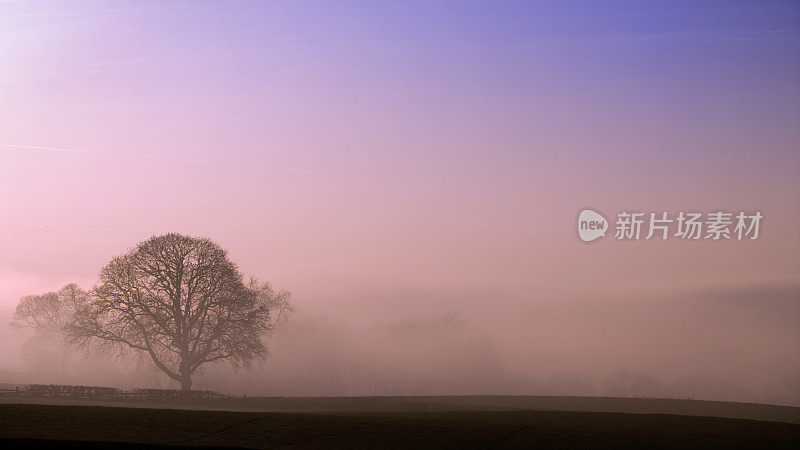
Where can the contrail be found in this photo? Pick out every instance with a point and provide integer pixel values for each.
(188, 160)
(61, 228)
(51, 149)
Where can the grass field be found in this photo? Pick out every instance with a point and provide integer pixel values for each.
(107, 427)
(731, 410)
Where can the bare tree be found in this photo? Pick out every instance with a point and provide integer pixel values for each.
(47, 315)
(182, 302)
(449, 322)
(50, 311)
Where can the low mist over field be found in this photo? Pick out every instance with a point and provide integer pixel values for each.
(706, 346)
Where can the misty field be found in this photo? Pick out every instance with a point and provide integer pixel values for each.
(105, 427)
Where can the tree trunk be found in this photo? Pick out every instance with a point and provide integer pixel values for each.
(185, 373)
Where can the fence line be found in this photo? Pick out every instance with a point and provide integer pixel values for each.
(109, 393)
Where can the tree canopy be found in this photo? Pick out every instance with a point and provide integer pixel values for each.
(181, 301)
(49, 312)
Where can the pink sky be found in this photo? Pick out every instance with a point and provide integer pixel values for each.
(399, 154)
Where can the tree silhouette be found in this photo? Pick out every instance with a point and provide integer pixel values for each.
(181, 301)
(47, 315)
(50, 311)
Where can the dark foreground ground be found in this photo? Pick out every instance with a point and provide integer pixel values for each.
(104, 427)
(685, 407)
